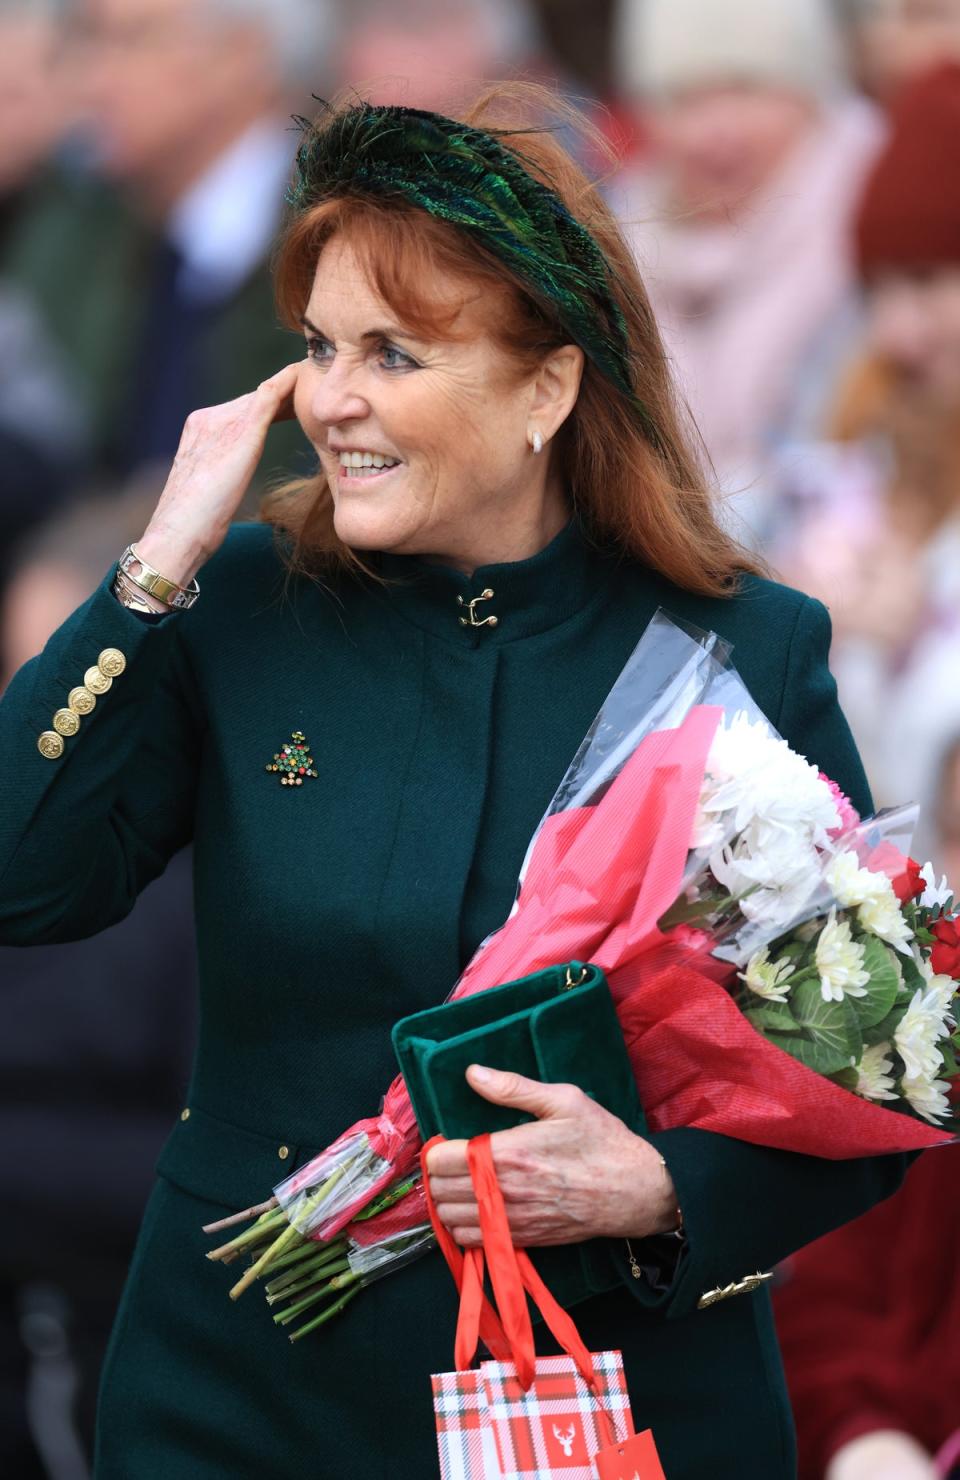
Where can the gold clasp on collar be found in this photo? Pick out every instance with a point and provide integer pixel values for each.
(471, 620)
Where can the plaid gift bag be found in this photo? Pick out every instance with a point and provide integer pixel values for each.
(523, 1417)
(559, 1423)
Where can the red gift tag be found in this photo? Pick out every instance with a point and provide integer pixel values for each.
(635, 1459)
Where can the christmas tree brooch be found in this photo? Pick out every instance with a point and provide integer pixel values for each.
(293, 762)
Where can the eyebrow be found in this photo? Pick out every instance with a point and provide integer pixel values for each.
(386, 331)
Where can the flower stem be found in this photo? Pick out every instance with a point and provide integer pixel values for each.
(256, 1270)
(327, 1314)
(388, 1199)
(262, 1229)
(295, 1287)
(293, 1263)
(235, 1218)
(284, 1317)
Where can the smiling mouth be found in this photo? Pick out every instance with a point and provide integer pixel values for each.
(364, 475)
(360, 465)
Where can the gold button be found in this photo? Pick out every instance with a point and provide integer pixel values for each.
(50, 744)
(111, 662)
(80, 700)
(185, 1114)
(283, 1152)
(65, 722)
(96, 682)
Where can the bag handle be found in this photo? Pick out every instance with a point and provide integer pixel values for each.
(512, 1275)
(476, 1319)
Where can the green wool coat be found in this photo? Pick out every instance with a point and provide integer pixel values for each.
(327, 911)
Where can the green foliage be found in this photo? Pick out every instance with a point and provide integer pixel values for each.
(883, 986)
(773, 1016)
(846, 1078)
(946, 1047)
(883, 1031)
(830, 1038)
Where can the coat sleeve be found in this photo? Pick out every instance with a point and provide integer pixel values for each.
(747, 1207)
(83, 832)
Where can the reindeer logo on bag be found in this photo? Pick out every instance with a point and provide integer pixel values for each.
(566, 1447)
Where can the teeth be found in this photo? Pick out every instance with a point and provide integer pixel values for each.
(367, 460)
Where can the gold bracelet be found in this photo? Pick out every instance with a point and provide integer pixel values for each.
(127, 595)
(150, 580)
(678, 1233)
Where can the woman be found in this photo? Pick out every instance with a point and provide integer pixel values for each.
(504, 499)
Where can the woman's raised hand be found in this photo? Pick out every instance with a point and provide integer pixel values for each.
(218, 454)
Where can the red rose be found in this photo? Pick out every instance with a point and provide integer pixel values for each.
(909, 884)
(945, 956)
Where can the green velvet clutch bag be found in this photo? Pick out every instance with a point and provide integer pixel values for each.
(559, 1026)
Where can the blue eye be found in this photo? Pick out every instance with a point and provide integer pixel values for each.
(399, 360)
(318, 349)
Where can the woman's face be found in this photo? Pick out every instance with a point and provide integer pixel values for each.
(914, 323)
(441, 425)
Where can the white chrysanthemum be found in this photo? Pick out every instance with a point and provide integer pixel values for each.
(928, 1097)
(882, 916)
(772, 870)
(839, 961)
(935, 896)
(873, 1073)
(918, 1033)
(850, 884)
(944, 990)
(769, 979)
(752, 773)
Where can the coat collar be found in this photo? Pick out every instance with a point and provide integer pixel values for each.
(525, 596)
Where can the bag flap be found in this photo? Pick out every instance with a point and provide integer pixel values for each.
(577, 1040)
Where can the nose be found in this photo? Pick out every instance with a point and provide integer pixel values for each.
(336, 396)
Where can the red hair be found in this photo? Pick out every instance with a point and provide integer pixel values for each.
(652, 502)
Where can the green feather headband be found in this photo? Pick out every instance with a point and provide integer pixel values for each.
(466, 176)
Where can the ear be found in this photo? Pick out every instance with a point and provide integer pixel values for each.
(555, 389)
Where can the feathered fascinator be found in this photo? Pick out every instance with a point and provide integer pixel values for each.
(468, 177)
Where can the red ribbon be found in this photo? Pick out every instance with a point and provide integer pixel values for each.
(513, 1276)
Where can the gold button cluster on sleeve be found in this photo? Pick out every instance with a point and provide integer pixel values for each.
(81, 701)
(746, 1286)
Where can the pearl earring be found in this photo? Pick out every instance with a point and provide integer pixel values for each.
(536, 442)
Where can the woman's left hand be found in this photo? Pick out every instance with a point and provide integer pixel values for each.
(575, 1173)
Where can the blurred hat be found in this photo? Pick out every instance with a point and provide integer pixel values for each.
(910, 211)
(669, 46)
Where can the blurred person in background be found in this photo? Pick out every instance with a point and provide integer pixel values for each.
(888, 563)
(740, 216)
(948, 812)
(90, 1077)
(867, 1319)
(424, 53)
(897, 40)
(41, 425)
(151, 272)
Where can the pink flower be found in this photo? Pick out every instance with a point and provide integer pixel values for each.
(849, 816)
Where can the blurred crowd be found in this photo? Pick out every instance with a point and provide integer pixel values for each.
(788, 173)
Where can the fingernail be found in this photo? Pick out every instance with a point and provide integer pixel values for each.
(479, 1074)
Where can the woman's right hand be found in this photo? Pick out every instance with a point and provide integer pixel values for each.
(217, 457)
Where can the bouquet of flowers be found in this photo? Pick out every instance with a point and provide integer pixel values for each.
(783, 972)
